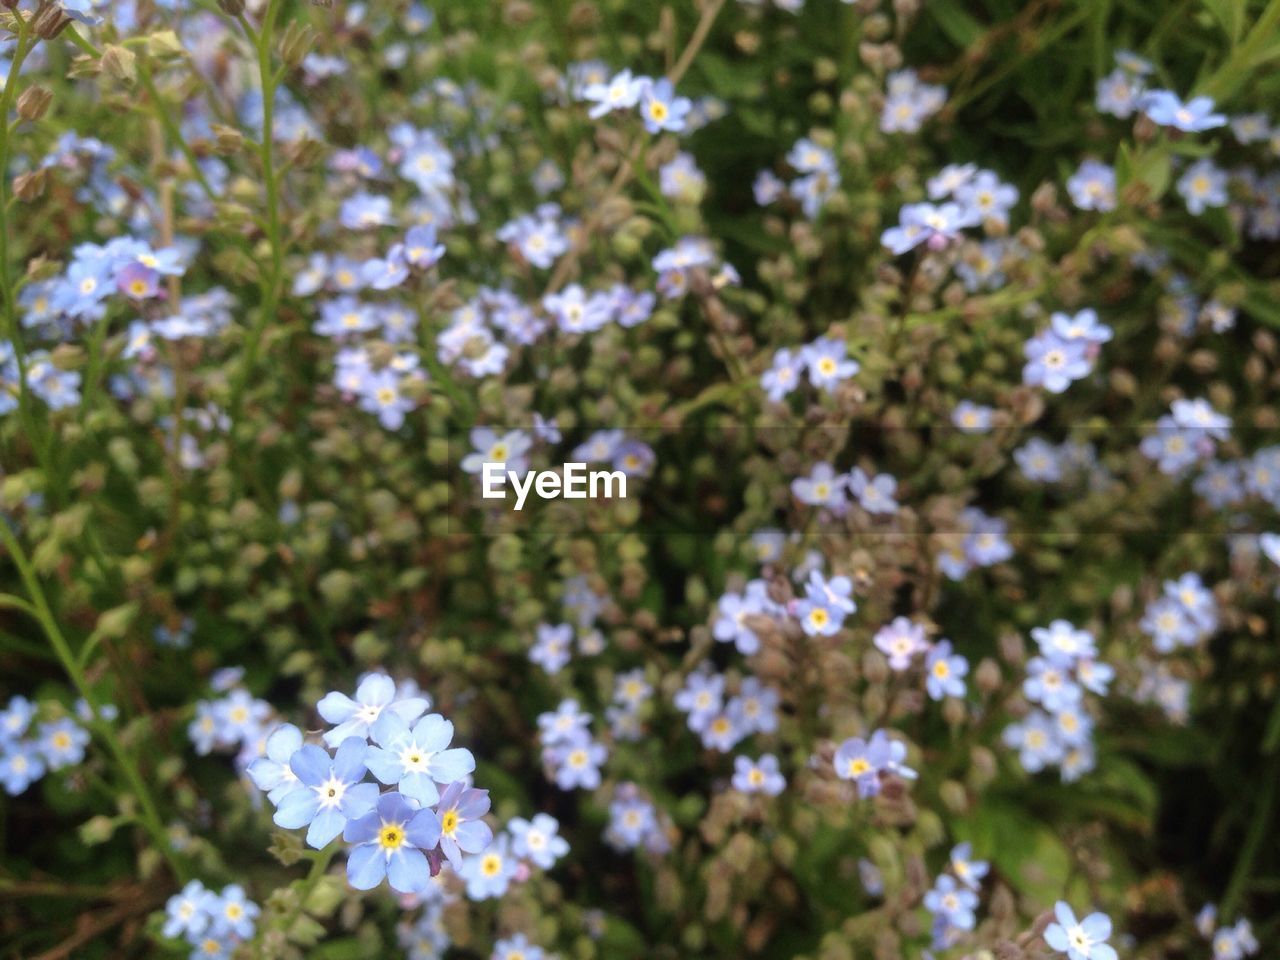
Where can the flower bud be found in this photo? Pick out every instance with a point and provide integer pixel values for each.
(296, 43)
(33, 102)
(30, 186)
(121, 63)
(49, 21)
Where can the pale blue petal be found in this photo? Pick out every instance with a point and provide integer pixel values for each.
(420, 787)
(297, 808)
(311, 765)
(366, 866)
(408, 870)
(337, 707)
(384, 765)
(360, 799)
(327, 825)
(348, 762)
(451, 765)
(433, 732)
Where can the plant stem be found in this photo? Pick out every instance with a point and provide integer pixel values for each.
(40, 609)
(271, 280)
(20, 52)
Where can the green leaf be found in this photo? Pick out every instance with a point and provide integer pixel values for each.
(956, 22)
(1230, 15)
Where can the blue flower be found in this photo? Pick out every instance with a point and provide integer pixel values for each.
(231, 914)
(392, 841)
(944, 672)
(754, 709)
(272, 772)
(564, 723)
(622, 92)
(490, 873)
(421, 250)
(553, 647)
(187, 913)
(952, 902)
(875, 494)
(16, 718)
(1063, 643)
(20, 765)
(730, 626)
(1093, 186)
(1048, 685)
(783, 375)
(461, 829)
(1119, 93)
(631, 819)
(967, 870)
(79, 11)
(900, 641)
(416, 760)
(822, 488)
(1196, 115)
(517, 947)
(538, 839)
(364, 211)
(862, 761)
(826, 604)
(578, 764)
(331, 792)
(1036, 740)
(701, 697)
(62, 743)
(935, 226)
(721, 732)
(1203, 185)
(355, 718)
(1083, 940)
(760, 776)
(661, 109)
(204, 729)
(1054, 363)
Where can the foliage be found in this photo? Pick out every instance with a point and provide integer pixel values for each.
(937, 342)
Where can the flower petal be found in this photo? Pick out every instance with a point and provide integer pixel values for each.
(366, 866)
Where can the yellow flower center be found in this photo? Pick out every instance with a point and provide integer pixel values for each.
(449, 822)
(391, 836)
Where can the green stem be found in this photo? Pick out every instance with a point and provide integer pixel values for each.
(271, 280)
(40, 439)
(1236, 70)
(171, 129)
(23, 47)
(1262, 823)
(39, 608)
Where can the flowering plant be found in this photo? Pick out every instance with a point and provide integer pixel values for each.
(926, 356)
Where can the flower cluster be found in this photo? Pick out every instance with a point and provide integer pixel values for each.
(1058, 731)
(213, 924)
(403, 834)
(947, 416)
(26, 754)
